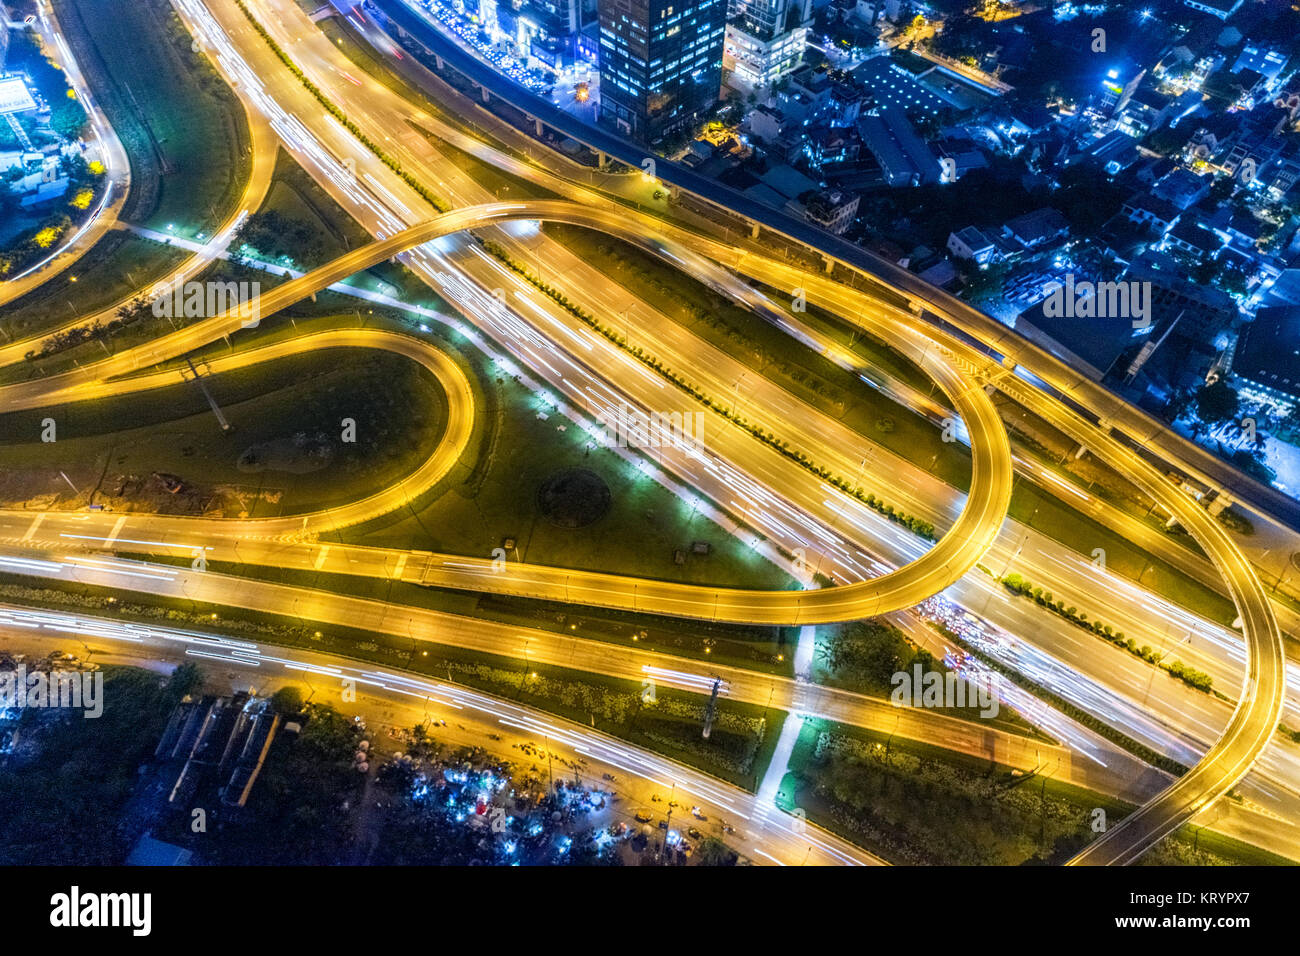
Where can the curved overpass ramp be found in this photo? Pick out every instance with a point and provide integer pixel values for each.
(954, 363)
(955, 554)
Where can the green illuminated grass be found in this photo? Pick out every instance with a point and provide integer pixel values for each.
(399, 409)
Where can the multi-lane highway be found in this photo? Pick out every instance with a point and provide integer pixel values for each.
(960, 369)
(402, 700)
(1226, 764)
(955, 554)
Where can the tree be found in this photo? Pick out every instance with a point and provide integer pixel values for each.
(1216, 402)
(1222, 189)
(983, 284)
(713, 852)
(185, 678)
(287, 700)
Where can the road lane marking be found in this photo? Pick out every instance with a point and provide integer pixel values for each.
(117, 529)
(320, 557)
(35, 524)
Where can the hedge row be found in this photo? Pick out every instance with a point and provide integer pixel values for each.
(916, 525)
(1016, 584)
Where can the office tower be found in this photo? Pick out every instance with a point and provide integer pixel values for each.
(660, 63)
(765, 39)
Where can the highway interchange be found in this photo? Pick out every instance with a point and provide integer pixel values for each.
(784, 503)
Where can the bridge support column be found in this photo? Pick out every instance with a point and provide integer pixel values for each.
(602, 160)
(438, 61)
(487, 97)
(753, 230)
(830, 264)
(1221, 501)
(537, 127)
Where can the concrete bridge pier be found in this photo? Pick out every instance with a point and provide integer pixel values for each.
(1221, 501)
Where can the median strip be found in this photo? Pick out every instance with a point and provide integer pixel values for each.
(1016, 584)
(917, 526)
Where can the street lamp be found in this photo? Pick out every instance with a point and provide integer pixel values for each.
(668, 821)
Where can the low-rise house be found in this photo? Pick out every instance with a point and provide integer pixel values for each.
(833, 209)
(1036, 229)
(1183, 188)
(973, 245)
(1192, 238)
(905, 159)
(766, 122)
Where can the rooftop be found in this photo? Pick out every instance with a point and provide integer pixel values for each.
(1268, 351)
(1038, 226)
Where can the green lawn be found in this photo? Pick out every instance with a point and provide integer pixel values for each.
(863, 656)
(759, 345)
(1051, 516)
(399, 409)
(115, 268)
(504, 184)
(511, 452)
(915, 804)
(184, 129)
(312, 228)
(644, 525)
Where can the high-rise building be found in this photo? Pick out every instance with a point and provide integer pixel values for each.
(767, 19)
(660, 63)
(765, 39)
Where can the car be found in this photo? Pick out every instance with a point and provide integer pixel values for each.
(694, 833)
(644, 816)
(663, 824)
(610, 777)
